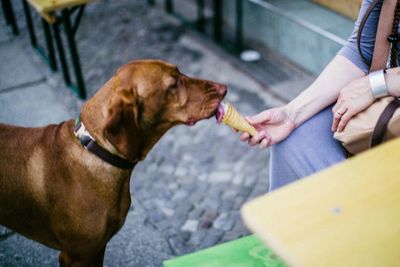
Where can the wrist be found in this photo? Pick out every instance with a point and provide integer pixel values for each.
(392, 78)
(377, 83)
(292, 113)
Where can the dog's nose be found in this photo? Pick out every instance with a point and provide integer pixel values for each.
(220, 88)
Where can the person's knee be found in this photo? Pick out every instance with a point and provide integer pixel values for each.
(286, 147)
(300, 153)
(281, 169)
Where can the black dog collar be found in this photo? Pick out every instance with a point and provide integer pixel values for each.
(90, 144)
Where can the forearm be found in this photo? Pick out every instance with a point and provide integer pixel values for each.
(324, 91)
(392, 78)
(344, 68)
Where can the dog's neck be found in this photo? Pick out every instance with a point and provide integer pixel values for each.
(152, 135)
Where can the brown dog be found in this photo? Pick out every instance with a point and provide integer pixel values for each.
(56, 192)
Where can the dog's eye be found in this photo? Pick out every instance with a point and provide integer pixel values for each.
(173, 87)
(179, 82)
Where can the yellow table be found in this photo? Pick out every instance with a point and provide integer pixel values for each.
(348, 215)
(54, 13)
(47, 7)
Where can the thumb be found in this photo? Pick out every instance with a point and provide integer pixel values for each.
(261, 117)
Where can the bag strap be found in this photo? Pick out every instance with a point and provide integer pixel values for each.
(386, 30)
(361, 28)
(394, 37)
(383, 121)
(386, 35)
(386, 26)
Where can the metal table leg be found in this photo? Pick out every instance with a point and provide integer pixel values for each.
(10, 17)
(217, 6)
(76, 65)
(200, 16)
(169, 6)
(49, 44)
(29, 23)
(49, 56)
(239, 26)
(61, 53)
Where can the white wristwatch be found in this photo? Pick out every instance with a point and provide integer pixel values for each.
(378, 83)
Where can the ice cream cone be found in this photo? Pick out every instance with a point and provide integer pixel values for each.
(235, 120)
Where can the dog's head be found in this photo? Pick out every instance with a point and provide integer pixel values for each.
(150, 96)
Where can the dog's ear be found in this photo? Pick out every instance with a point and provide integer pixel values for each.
(122, 127)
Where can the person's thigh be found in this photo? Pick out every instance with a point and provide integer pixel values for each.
(310, 148)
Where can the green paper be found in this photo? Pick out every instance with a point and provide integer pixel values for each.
(245, 252)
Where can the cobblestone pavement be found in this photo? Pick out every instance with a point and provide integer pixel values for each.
(192, 184)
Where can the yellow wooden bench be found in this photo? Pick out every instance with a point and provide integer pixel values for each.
(349, 8)
(55, 13)
(348, 215)
(46, 8)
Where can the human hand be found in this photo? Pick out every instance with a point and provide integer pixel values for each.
(353, 98)
(273, 125)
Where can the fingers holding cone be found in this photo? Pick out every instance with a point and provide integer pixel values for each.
(234, 119)
(237, 122)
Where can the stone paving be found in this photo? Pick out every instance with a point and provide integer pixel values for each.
(188, 192)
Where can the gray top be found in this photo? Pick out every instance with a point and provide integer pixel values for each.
(368, 34)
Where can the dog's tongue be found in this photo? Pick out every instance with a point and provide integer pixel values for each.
(219, 114)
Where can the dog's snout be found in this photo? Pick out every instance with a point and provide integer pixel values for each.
(220, 88)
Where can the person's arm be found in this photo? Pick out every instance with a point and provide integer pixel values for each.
(357, 96)
(274, 125)
(347, 66)
(324, 91)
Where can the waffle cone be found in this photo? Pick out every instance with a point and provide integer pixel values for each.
(233, 119)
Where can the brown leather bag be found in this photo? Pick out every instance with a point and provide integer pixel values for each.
(381, 121)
